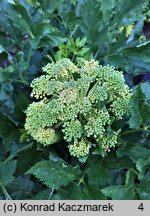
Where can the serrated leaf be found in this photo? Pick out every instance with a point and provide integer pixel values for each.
(54, 175)
(43, 195)
(118, 192)
(70, 192)
(92, 192)
(6, 172)
(74, 192)
(97, 173)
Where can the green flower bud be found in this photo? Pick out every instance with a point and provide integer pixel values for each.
(79, 149)
(72, 130)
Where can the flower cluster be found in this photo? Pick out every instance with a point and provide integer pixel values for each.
(82, 102)
(79, 149)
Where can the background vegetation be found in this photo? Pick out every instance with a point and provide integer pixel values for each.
(33, 33)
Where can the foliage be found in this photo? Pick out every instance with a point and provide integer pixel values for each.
(39, 34)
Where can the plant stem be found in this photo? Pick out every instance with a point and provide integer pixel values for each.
(134, 171)
(13, 155)
(29, 55)
(81, 180)
(20, 81)
(23, 80)
(136, 130)
(58, 125)
(51, 194)
(7, 196)
(73, 58)
(74, 30)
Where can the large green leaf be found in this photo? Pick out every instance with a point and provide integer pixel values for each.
(21, 188)
(92, 192)
(46, 35)
(6, 172)
(97, 172)
(7, 128)
(21, 104)
(118, 192)
(107, 171)
(70, 192)
(91, 23)
(128, 11)
(18, 15)
(135, 119)
(142, 166)
(74, 192)
(24, 164)
(54, 175)
(6, 93)
(143, 190)
(135, 151)
(43, 195)
(50, 6)
(140, 110)
(138, 58)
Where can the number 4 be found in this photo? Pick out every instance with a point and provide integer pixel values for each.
(141, 207)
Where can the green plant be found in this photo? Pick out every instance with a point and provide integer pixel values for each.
(34, 33)
(83, 102)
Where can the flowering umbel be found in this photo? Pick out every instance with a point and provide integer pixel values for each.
(82, 102)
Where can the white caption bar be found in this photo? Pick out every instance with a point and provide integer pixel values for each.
(74, 207)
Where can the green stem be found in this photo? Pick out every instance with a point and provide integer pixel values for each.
(7, 196)
(81, 180)
(56, 17)
(23, 82)
(135, 130)
(50, 58)
(13, 155)
(58, 125)
(51, 194)
(74, 30)
(73, 58)
(134, 171)
(29, 55)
